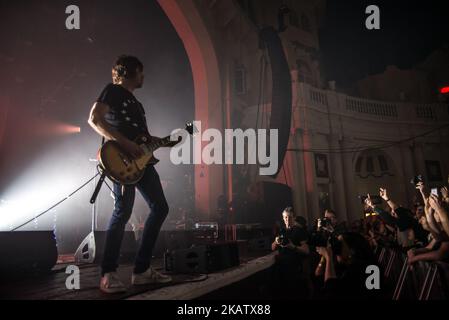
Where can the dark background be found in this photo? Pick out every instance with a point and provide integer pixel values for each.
(410, 31)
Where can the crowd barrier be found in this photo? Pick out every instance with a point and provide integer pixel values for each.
(419, 281)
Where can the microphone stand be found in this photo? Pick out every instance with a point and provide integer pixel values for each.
(93, 199)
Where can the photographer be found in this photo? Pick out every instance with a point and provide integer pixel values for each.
(323, 233)
(292, 246)
(330, 223)
(344, 265)
(293, 239)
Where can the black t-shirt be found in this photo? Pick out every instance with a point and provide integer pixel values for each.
(126, 114)
(296, 235)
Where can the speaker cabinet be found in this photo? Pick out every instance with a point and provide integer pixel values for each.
(27, 252)
(203, 259)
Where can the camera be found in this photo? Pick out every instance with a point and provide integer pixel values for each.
(417, 179)
(283, 239)
(325, 222)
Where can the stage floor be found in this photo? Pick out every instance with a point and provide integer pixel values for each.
(183, 287)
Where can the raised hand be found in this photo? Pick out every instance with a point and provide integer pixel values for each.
(444, 192)
(383, 194)
(325, 252)
(420, 186)
(369, 202)
(434, 202)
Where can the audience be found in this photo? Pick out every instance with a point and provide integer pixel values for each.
(344, 267)
(340, 255)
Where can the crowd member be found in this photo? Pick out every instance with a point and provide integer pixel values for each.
(331, 224)
(344, 267)
(398, 217)
(435, 220)
(378, 233)
(434, 251)
(340, 258)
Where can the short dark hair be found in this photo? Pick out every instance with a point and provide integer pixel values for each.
(290, 211)
(125, 67)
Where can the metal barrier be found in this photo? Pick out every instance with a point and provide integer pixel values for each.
(420, 281)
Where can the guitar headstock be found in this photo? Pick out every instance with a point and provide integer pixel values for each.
(191, 129)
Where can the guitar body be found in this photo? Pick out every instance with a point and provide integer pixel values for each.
(122, 168)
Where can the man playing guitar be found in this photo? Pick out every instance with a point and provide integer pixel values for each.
(118, 116)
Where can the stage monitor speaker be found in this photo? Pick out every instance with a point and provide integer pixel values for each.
(203, 259)
(169, 240)
(27, 252)
(92, 248)
(281, 104)
(259, 244)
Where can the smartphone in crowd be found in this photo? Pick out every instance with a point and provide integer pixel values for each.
(434, 191)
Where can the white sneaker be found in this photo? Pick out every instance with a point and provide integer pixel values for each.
(110, 283)
(150, 276)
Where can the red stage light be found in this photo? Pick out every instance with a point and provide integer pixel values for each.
(66, 129)
(52, 127)
(444, 90)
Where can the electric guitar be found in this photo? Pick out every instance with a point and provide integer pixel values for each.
(124, 169)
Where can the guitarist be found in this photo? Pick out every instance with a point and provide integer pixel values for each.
(117, 115)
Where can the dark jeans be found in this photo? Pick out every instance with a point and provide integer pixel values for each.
(151, 189)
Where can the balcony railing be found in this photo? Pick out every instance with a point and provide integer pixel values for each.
(342, 104)
(371, 107)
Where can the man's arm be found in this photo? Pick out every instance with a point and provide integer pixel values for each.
(435, 204)
(433, 226)
(426, 249)
(320, 268)
(98, 122)
(428, 211)
(434, 255)
(383, 194)
(445, 193)
(275, 244)
(388, 218)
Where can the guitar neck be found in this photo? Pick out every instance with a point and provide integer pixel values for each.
(158, 143)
